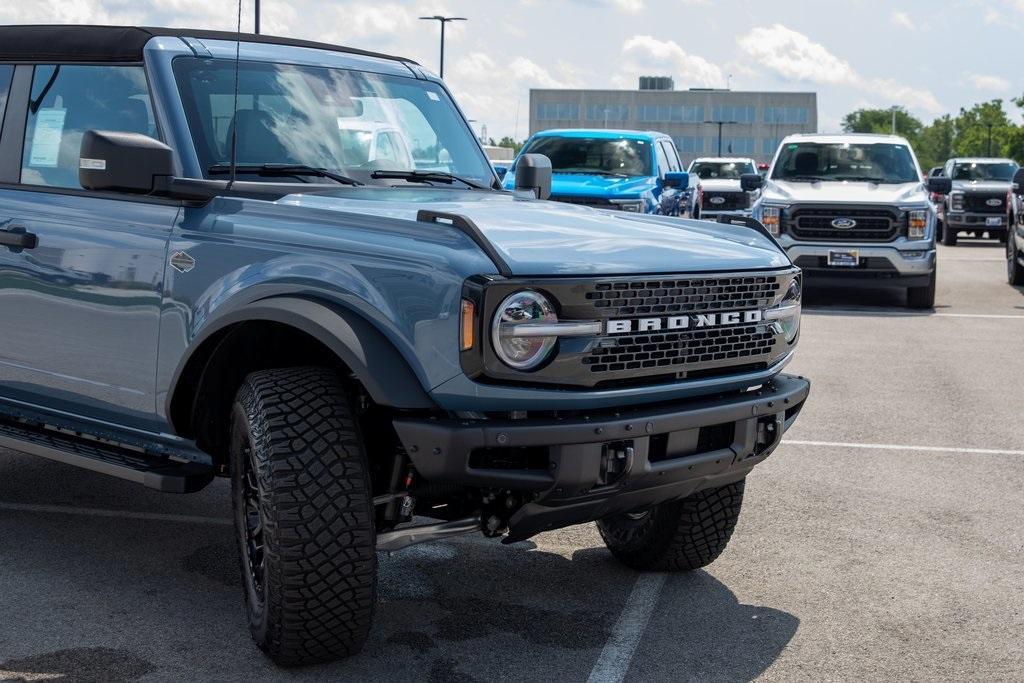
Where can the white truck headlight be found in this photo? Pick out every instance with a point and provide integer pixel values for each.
(771, 218)
(786, 314)
(917, 222)
(517, 332)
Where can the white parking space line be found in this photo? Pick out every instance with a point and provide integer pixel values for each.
(122, 514)
(615, 658)
(838, 312)
(953, 258)
(902, 447)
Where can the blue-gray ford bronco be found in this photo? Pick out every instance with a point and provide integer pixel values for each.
(296, 268)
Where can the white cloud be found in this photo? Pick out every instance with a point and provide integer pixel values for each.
(988, 82)
(665, 58)
(903, 20)
(631, 6)
(795, 57)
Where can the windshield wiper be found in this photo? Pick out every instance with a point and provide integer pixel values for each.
(803, 178)
(426, 177)
(283, 170)
(861, 179)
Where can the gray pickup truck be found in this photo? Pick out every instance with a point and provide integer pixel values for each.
(296, 268)
(977, 203)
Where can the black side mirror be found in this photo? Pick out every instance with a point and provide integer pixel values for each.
(533, 174)
(123, 162)
(940, 184)
(751, 181)
(1018, 180)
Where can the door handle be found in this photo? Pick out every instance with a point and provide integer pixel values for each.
(18, 238)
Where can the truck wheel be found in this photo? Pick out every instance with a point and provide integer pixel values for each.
(1014, 271)
(679, 535)
(939, 231)
(922, 297)
(949, 236)
(303, 513)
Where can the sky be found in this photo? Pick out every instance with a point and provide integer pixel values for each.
(930, 57)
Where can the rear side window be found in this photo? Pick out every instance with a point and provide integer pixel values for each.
(68, 100)
(6, 72)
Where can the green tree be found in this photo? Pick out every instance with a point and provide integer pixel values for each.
(936, 142)
(983, 130)
(509, 142)
(880, 121)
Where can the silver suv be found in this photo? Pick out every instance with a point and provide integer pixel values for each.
(854, 209)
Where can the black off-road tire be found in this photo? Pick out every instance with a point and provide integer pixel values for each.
(949, 236)
(1014, 271)
(922, 297)
(301, 491)
(939, 230)
(679, 535)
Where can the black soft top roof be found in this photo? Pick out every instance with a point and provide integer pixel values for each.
(71, 43)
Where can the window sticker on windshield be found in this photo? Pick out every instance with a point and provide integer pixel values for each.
(433, 96)
(46, 138)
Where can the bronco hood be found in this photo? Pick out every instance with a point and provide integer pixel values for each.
(550, 238)
(844, 192)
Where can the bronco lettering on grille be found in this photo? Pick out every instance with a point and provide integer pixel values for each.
(683, 322)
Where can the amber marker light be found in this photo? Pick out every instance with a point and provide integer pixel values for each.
(468, 314)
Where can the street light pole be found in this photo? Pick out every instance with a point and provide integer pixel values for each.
(442, 20)
(720, 124)
(257, 3)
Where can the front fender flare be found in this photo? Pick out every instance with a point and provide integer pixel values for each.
(364, 349)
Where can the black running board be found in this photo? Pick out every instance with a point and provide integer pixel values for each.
(156, 472)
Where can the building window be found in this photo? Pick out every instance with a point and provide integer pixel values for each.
(737, 145)
(769, 146)
(690, 144)
(607, 112)
(557, 111)
(736, 114)
(793, 115)
(670, 113)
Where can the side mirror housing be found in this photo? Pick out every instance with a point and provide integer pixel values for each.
(533, 174)
(123, 162)
(940, 184)
(1018, 180)
(677, 179)
(751, 181)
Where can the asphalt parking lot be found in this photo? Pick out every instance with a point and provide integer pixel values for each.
(884, 539)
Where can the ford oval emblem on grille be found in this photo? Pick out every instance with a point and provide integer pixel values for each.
(844, 223)
(994, 202)
(717, 200)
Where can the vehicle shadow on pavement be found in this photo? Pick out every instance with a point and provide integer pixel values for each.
(84, 599)
(823, 300)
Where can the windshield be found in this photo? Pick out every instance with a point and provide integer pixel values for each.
(598, 156)
(721, 170)
(350, 123)
(984, 171)
(875, 163)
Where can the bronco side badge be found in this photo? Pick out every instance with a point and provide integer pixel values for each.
(182, 262)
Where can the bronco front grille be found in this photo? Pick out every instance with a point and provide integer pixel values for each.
(675, 297)
(870, 224)
(977, 202)
(704, 348)
(730, 201)
(671, 351)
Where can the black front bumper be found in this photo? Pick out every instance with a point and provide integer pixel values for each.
(588, 467)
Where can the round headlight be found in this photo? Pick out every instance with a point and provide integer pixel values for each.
(516, 344)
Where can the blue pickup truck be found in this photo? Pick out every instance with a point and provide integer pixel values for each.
(634, 171)
(291, 264)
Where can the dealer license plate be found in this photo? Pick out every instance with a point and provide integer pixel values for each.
(848, 258)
